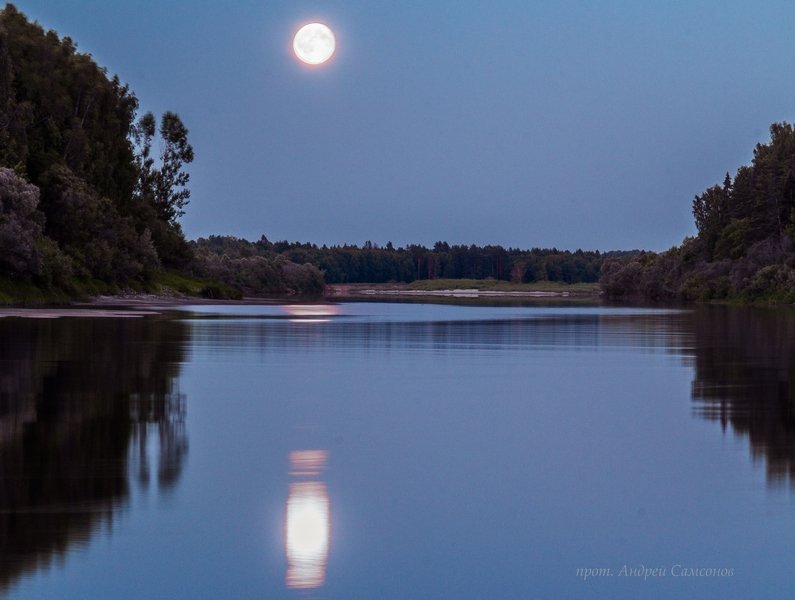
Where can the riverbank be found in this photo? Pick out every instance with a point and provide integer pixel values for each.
(125, 305)
(464, 288)
(133, 303)
(163, 286)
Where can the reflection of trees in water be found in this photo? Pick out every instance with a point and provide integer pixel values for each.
(79, 402)
(745, 377)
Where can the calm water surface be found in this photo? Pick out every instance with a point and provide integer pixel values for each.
(376, 450)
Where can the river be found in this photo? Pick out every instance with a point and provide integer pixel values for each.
(399, 450)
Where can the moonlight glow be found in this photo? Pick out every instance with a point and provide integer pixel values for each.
(308, 521)
(314, 43)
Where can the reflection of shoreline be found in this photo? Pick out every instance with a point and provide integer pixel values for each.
(307, 521)
(80, 401)
(745, 379)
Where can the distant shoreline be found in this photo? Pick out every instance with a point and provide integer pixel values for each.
(136, 304)
(444, 290)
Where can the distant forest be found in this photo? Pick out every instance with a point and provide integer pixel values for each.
(372, 263)
(745, 247)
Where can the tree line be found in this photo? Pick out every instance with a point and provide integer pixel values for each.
(371, 263)
(745, 247)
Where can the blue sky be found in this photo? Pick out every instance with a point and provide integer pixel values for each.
(567, 124)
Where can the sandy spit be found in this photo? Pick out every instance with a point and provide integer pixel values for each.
(57, 313)
(130, 305)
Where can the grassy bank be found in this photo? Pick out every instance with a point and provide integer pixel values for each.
(21, 292)
(167, 283)
(172, 282)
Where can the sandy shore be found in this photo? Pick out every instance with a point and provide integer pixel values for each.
(134, 305)
(166, 302)
(56, 313)
(124, 306)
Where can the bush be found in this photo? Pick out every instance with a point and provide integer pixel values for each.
(774, 282)
(258, 275)
(621, 277)
(57, 269)
(695, 288)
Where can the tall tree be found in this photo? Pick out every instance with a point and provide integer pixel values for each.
(171, 192)
(161, 189)
(143, 134)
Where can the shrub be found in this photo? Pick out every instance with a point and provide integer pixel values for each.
(774, 282)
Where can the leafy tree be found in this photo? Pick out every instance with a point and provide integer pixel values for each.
(710, 211)
(21, 225)
(143, 134)
(161, 189)
(170, 180)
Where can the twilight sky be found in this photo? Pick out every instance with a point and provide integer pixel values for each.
(567, 124)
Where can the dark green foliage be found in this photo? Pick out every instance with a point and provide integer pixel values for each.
(303, 279)
(163, 186)
(57, 268)
(103, 244)
(143, 135)
(777, 282)
(745, 246)
(21, 225)
(171, 195)
(85, 203)
(107, 213)
(711, 212)
(62, 109)
(172, 248)
(160, 192)
(26, 254)
(233, 263)
(732, 241)
(374, 264)
(10, 121)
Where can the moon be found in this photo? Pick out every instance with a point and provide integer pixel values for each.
(314, 43)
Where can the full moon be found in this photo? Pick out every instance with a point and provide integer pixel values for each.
(314, 43)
